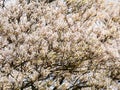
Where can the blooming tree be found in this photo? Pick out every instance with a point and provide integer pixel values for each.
(63, 44)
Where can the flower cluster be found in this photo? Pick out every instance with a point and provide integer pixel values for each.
(46, 45)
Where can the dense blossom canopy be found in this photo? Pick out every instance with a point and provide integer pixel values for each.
(60, 45)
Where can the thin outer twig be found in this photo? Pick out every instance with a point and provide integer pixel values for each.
(3, 5)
